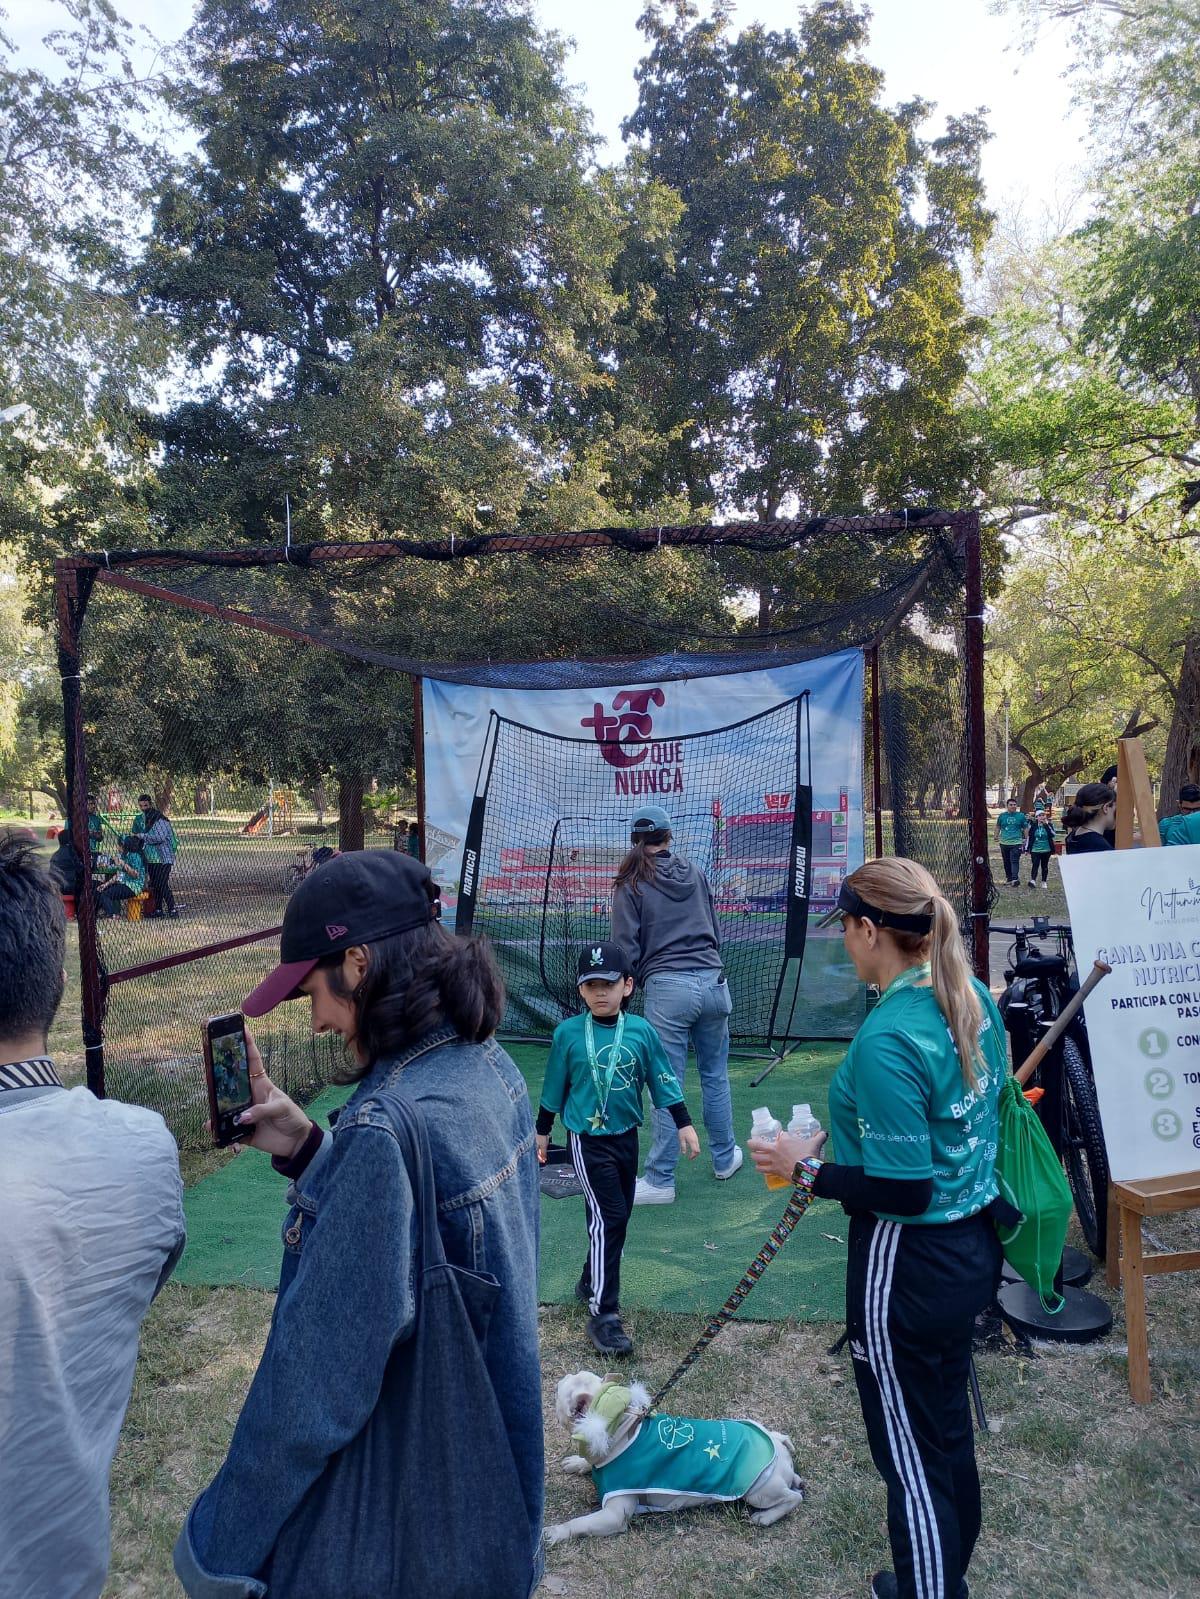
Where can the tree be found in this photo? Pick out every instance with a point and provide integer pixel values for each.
(1102, 423)
(77, 155)
(799, 336)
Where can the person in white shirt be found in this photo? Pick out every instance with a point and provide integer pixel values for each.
(91, 1226)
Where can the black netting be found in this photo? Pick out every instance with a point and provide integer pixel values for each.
(265, 701)
(551, 826)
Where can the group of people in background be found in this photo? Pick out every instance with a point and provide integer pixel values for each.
(1090, 822)
(123, 865)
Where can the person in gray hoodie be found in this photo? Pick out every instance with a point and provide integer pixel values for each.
(663, 915)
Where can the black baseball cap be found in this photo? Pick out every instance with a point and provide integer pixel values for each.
(353, 899)
(851, 903)
(606, 961)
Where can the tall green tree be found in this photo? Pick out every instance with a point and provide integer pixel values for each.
(799, 337)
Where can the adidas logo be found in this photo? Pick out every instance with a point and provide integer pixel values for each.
(857, 1350)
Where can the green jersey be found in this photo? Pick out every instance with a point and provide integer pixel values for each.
(1011, 826)
(570, 1089)
(1041, 837)
(898, 1106)
(683, 1455)
(1181, 829)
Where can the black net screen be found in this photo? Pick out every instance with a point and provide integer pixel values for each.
(549, 830)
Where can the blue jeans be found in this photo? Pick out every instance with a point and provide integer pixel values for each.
(680, 1005)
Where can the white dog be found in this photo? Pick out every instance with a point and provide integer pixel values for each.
(660, 1462)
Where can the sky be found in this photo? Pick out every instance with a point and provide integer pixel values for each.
(952, 52)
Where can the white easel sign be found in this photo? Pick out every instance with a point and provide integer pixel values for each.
(1139, 910)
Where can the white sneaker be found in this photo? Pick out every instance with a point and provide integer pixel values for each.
(645, 1193)
(735, 1165)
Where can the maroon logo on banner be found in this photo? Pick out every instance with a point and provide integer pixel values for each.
(622, 735)
(777, 802)
(627, 725)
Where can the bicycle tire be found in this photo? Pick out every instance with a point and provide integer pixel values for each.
(1084, 1155)
(292, 879)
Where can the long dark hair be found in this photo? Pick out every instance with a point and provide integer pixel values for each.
(639, 864)
(1089, 801)
(415, 982)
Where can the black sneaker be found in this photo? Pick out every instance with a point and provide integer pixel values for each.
(884, 1586)
(608, 1335)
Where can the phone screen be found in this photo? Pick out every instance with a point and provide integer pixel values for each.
(230, 1072)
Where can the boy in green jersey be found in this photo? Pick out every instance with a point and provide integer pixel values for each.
(599, 1063)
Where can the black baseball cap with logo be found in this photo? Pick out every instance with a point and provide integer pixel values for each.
(353, 899)
(608, 961)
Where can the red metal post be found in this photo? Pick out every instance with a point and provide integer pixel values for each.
(71, 590)
(876, 753)
(976, 797)
(419, 757)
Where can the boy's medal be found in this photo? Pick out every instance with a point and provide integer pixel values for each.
(599, 1117)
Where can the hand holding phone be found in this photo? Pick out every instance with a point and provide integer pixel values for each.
(272, 1122)
(227, 1073)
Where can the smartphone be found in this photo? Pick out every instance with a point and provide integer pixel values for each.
(227, 1070)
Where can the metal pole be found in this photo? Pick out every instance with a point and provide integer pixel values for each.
(976, 751)
(270, 807)
(71, 595)
(876, 753)
(419, 760)
(1007, 786)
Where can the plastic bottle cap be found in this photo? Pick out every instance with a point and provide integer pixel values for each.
(801, 1112)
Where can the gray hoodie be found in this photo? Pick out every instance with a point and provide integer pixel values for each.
(667, 924)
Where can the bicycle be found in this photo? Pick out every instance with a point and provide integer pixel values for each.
(1039, 985)
(304, 864)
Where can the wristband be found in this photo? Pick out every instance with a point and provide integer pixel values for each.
(804, 1174)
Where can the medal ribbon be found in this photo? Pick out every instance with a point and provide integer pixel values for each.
(614, 1060)
(906, 979)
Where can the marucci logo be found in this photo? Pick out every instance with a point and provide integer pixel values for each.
(470, 861)
(800, 889)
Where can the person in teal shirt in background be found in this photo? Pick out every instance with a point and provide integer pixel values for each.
(1041, 847)
(128, 881)
(1011, 827)
(599, 1063)
(1184, 826)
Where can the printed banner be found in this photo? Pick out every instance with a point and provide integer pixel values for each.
(561, 772)
(1138, 910)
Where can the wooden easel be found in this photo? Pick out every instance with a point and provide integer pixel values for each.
(1128, 1264)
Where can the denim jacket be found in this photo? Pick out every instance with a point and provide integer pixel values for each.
(346, 1297)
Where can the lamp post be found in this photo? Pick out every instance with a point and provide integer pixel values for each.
(1007, 789)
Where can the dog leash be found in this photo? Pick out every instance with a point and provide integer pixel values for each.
(796, 1206)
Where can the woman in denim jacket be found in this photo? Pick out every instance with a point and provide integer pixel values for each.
(417, 1010)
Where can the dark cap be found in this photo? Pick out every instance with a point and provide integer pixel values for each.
(610, 962)
(851, 903)
(353, 899)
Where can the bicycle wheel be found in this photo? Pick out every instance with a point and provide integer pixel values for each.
(1083, 1148)
(292, 879)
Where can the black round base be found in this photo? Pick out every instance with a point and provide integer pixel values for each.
(1077, 1269)
(1083, 1318)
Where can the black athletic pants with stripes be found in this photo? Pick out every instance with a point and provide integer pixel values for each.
(912, 1295)
(606, 1165)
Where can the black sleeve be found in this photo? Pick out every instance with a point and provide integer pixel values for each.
(680, 1115)
(897, 1196)
(545, 1122)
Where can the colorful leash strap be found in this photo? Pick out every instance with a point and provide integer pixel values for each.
(796, 1206)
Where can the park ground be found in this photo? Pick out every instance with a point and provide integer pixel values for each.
(1084, 1492)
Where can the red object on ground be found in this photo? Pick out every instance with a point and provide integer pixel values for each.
(53, 832)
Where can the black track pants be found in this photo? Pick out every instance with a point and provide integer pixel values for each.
(1039, 862)
(1012, 862)
(160, 886)
(606, 1165)
(912, 1295)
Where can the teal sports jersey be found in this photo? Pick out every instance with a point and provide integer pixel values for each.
(898, 1106)
(1181, 829)
(568, 1089)
(1041, 838)
(683, 1455)
(1012, 825)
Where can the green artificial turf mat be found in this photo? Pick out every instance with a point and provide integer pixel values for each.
(682, 1257)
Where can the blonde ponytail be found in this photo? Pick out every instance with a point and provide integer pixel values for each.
(905, 888)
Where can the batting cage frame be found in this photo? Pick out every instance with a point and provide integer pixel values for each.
(233, 589)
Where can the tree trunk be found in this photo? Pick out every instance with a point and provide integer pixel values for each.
(1181, 764)
(200, 802)
(350, 812)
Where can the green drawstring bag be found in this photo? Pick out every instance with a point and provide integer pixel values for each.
(1030, 1177)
